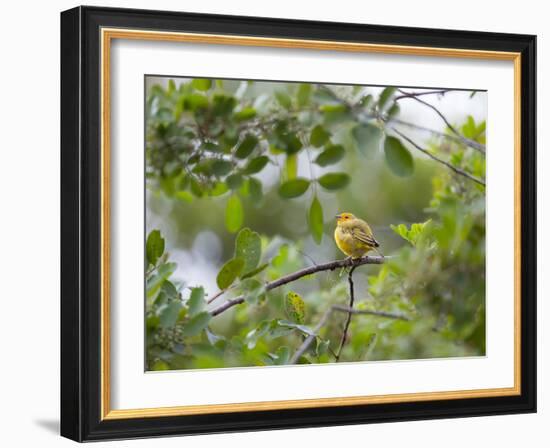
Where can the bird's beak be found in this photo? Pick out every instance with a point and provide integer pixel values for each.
(338, 216)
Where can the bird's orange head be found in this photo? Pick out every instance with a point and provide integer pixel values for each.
(343, 217)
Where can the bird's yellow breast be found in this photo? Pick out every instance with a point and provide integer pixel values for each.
(349, 245)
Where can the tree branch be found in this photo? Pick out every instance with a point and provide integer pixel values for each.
(330, 266)
(437, 159)
(473, 144)
(342, 309)
(348, 319)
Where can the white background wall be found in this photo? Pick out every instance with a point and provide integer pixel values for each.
(29, 223)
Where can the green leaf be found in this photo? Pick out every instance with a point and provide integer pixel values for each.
(335, 113)
(155, 282)
(169, 314)
(283, 99)
(295, 307)
(167, 185)
(201, 84)
(282, 355)
(334, 181)
(196, 302)
(213, 167)
(152, 323)
(304, 329)
(277, 331)
(195, 102)
(294, 188)
(214, 339)
(255, 271)
(303, 95)
(160, 365)
(182, 314)
(211, 146)
(194, 158)
(154, 247)
(319, 136)
(323, 96)
(254, 335)
(243, 191)
(393, 110)
(398, 158)
(228, 138)
(171, 86)
(234, 214)
(469, 129)
(252, 290)
(218, 189)
(366, 100)
(168, 290)
(285, 140)
(221, 167)
(196, 187)
(246, 147)
(229, 272)
(413, 234)
(292, 143)
(401, 230)
(386, 94)
(322, 347)
(316, 220)
(255, 190)
(291, 166)
(223, 105)
(248, 246)
(234, 181)
(331, 155)
(196, 324)
(256, 165)
(245, 114)
(367, 138)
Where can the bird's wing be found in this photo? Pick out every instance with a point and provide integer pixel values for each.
(361, 235)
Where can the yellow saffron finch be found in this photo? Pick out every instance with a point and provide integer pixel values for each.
(354, 236)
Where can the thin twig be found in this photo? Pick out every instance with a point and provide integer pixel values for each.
(308, 257)
(430, 92)
(215, 296)
(342, 309)
(345, 309)
(348, 319)
(465, 140)
(452, 137)
(330, 266)
(150, 271)
(307, 341)
(435, 109)
(437, 159)
(470, 143)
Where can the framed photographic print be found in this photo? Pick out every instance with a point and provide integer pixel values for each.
(273, 224)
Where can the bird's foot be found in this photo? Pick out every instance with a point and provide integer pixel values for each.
(348, 263)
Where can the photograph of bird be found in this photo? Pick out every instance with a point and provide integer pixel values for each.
(354, 236)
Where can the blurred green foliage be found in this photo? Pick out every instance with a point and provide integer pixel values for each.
(259, 164)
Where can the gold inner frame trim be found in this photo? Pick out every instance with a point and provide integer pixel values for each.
(107, 35)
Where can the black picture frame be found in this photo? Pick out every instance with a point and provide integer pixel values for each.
(81, 224)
